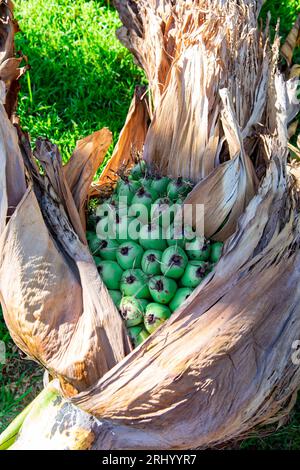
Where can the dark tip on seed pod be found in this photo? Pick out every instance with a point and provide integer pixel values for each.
(130, 279)
(175, 260)
(159, 285)
(124, 250)
(103, 244)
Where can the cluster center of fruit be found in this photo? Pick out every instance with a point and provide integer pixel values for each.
(149, 260)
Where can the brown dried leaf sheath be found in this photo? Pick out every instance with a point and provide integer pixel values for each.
(223, 362)
(131, 141)
(10, 70)
(208, 69)
(55, 305)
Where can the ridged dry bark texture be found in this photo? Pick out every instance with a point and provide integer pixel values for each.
(207, 66)
(223, 363)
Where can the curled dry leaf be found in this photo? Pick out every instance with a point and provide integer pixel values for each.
(226, 192)
(86, 159)
(10, 70)
(55, 305)
(293, 129)
(131, 141)
(12, 176)
(295, 71)
(292, 41)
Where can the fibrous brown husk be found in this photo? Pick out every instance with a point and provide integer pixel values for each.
(201, 48)
(223, 363)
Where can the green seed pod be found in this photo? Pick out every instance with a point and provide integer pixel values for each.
(160, 184)
(126, 189)
(103, 229)
(94, 243)
(198, 249)
(145, 197)
(116, 296)
(97, 260)
(89, 235)
(129, 255)
(140, 213)
(146, 182)
(179, 236)
(181, 295)
(108, 249)
(155, 315)
(139, 170)
(173, 262)
(134, 331)
(216, 251)
(132, 310)
(162, 212)
(162, 289)
(141, 337)
(194, 273)
(122, 229)
(153, 237)
(111, 274)
(175, 236)
(107, 208)
(134, 283)
(151, 262)
(141, 204)
(178, 188)
(114, 202)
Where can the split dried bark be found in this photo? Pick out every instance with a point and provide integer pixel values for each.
(208, 68)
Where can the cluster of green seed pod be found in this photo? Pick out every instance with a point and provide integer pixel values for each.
(149, 262)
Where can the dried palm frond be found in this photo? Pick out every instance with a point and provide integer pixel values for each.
(10, 70)
(291, 42)
(132, 138)
(211, 46)
(43, 258)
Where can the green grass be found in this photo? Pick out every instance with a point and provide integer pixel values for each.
(20, 380)
(285, 438)
(82, 79)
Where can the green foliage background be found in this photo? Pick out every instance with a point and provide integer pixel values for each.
(82, 79)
